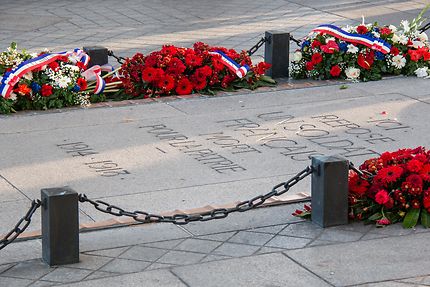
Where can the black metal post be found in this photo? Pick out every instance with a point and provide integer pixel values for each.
(329, 190)
(98, 55)
(60, 226)
(277, 53)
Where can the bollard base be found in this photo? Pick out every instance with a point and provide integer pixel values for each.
(329, 191)
(277, 53)
(98, 55)
(60, 226)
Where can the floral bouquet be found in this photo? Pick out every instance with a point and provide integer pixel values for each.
(364, 52)
(182, 71)
(61, 82)
(395, 187)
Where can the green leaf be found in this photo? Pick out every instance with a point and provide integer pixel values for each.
(411, 218)
(425, 218)
(267, 79)
(375, 217)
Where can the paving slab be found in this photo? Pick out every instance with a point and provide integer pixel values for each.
(262, 270)
(361, 262)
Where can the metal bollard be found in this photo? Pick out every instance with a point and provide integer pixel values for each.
(329, 190)
(60, 226)
(277, 53)
(98, 55)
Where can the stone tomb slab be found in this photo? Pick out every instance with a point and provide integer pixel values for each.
(201, 154)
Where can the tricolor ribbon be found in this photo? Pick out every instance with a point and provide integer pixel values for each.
(233, 66)
(94, 73)
(11, 78)
(366, 40)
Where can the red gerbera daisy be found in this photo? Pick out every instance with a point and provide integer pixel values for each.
(184, 87)
(425, 172)
(149, 74)
(82, 83)
(193, 60)
(357, 185)
(200, 84)
(167, 83)
(414, 165)
(389, 174)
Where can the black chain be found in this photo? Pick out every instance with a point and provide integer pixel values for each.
(424, 28)
(363, 174)
(118, 59)
(217, 213)
(298, 42)
(258, 45)
(21, 226)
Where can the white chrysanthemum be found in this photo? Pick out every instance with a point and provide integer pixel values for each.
(405, 25)
(352, 49)
(62, 82)
(423, 37)
(352, 73)
(297, 56)
(393, 28)
(376, 34)
(421, 72)
(398, 61)
(72, 68)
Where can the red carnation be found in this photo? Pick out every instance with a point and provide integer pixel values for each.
(184, 87)
(217, 63)
(383, 221)
(361, 29)
(394, 51)
(82, 83)
(46, 90)
(425, 172)
(309, 66)
(382, 197)
(413, 184)
(316, 44)
(317, 58)
(414, 165)
(262, 67)
(385, 31)
(414, 55)
(167, 83)
(54, 66)
(335, 71)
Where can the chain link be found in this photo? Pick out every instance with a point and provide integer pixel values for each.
(118, 59)
(258, 45)
(182, 218)
(21, 226)
(363, 174)
(298, 42)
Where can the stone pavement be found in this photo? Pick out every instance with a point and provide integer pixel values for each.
(133, 155)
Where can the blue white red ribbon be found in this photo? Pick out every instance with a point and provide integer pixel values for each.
(11, 78)
(94, 73)
(233, 66)
(366, 40)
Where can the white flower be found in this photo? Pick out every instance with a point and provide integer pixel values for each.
(12, 96)
(349, 29)
(396, 38)
(403, 39)
(423, 37)
(28, 76)
(33, 55)
(417, 44)
(352, 73)
(393, 28)
(405, 25)
(63, 82)
(421, 72)
(376, 34)
(296, 57)
(398, 61)
(330, 39)
(352, 49)
(72, 68)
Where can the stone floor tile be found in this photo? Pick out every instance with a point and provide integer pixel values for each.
(218, 236)
(418, 280)
(214, 258)
(32, 269)
(392, 230)
(388, 284)
(235, 250)
(125, 266)
(41, 283)
(288, 242)
(90, 262)
(321, 242)
(157, 265)
(340, 235)
(269, 229)
(5, 267)
(112, 252)
(143, 253)
(65, 275)
(302, 229)
(264, 250)
(252, 238)
(169, 244)
(13, 282)
(197, 245)
(181, 258)
(101, 274)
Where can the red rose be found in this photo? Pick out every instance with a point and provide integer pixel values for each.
(382, 197)
(54, 66)
(362, 29)
(184, 87)
(394, 51)
(317, 58)
(385, 31)
(46, 90)
(309, 66)
(335, 71)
